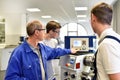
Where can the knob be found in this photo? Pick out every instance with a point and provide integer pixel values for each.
(73, 76)
(65, 73)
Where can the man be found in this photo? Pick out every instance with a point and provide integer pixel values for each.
(28, 61)
(108, 54)
(52, 32)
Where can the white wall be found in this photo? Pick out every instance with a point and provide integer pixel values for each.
(14, 27)
(116, 19)
(88, 27)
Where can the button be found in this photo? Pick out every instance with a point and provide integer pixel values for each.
(77, 65)
(72, 61)
(67, 64)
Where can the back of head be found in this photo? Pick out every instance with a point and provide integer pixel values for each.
(52, 25)
(103, 12)
(32, 26)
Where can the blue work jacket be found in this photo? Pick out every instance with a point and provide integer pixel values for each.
(24, 64)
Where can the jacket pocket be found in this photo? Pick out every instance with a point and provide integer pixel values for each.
(27, 71)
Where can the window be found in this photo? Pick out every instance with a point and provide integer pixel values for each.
(72, 29)
(2, 31)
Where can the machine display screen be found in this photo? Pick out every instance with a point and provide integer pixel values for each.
(81, 43)
(77, 43)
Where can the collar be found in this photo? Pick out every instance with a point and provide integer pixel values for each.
(28, 47)
(104, 33)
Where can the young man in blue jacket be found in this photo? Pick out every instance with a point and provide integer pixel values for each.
(28, 60)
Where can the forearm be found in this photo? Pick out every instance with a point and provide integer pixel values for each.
(57, 52)
(114, 76)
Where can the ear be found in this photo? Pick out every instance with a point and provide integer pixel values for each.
(36, 32)
(93, 17)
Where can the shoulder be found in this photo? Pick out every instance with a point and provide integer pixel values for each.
(109, 45)
(43, 46)
(21, 49)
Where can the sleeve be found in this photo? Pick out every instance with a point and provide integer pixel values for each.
(55, 52)
(14, 71)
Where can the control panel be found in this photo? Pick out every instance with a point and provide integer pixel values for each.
(84, 44)
(80, 65)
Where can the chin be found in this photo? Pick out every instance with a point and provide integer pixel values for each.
(41, 39)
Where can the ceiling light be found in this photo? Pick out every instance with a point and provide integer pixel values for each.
(81, 20)
(33, 9)
(82, 16)
(80, 8)
(46, 16)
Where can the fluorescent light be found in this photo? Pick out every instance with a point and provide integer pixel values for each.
(82, 16)
(33, 9)
(46, 16)
(81, 20)
(80, 8)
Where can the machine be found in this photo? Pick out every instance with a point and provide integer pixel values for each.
(80, 65)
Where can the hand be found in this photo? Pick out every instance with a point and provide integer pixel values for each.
(73, 50)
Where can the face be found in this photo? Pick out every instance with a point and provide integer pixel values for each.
(55, 33)
(40, 34)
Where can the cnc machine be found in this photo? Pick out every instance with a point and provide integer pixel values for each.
(80, 65)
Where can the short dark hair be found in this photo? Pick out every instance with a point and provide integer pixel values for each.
(32, 26)
(103, 12)
(52, 25)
